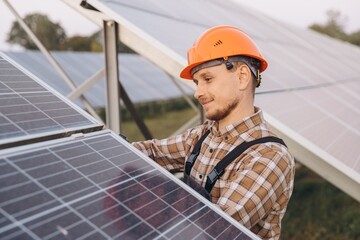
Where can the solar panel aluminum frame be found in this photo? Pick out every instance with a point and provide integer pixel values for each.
(36, 137)
(11, 152)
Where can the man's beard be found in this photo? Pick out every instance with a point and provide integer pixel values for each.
(224, 112)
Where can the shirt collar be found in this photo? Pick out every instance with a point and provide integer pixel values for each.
(237, 128)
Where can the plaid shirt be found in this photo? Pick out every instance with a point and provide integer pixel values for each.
(254, 189)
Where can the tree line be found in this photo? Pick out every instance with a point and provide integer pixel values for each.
(54, 36)
(334, 27)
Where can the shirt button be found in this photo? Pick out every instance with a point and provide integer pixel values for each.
(200, 176)
(226, 138)
(211, 150)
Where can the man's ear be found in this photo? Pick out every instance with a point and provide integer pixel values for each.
(244, 76)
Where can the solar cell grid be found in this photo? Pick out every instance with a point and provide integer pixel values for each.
(29, 110)
(98, 188)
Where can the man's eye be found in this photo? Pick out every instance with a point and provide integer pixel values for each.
(208, 79)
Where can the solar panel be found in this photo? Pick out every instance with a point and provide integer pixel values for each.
(31, 111)
(97, 186)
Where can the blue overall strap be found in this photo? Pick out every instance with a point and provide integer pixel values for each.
(195, 153)
(218, 170)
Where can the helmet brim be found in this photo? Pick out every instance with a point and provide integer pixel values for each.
(186, 72)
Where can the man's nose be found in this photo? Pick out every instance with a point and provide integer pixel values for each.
(199, 91)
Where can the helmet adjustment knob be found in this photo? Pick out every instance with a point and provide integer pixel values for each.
(229, 65)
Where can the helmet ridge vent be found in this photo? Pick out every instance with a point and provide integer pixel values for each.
(219, 42)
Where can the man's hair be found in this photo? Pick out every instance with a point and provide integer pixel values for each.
(254, 65)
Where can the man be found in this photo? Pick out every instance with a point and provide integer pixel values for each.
(255, 184)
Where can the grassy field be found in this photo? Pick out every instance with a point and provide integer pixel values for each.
(317, 209)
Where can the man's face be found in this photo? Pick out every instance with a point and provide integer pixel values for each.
(217, 89)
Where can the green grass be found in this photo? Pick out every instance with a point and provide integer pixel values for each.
(319, 210)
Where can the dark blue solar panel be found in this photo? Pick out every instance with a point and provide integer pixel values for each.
(29, 110)
(97, 187)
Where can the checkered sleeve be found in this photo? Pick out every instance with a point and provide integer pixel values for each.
(170, 153)
(263, 185)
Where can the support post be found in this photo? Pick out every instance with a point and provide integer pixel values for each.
(112, 76)
(130, 106)
(85, 86)
(183, 93)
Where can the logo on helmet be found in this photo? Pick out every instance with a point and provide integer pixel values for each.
(218, 43)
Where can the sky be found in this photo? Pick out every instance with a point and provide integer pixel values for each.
(301, 13)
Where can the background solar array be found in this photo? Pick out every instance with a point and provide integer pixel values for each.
(143, 81)
(96, 187)
(30, 110)
(310, 87)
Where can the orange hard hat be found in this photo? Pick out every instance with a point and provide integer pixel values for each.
(221, 42)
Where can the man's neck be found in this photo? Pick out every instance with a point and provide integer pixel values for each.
(236, 116)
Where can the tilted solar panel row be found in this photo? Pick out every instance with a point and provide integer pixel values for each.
(98, 187)
(32, 111)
